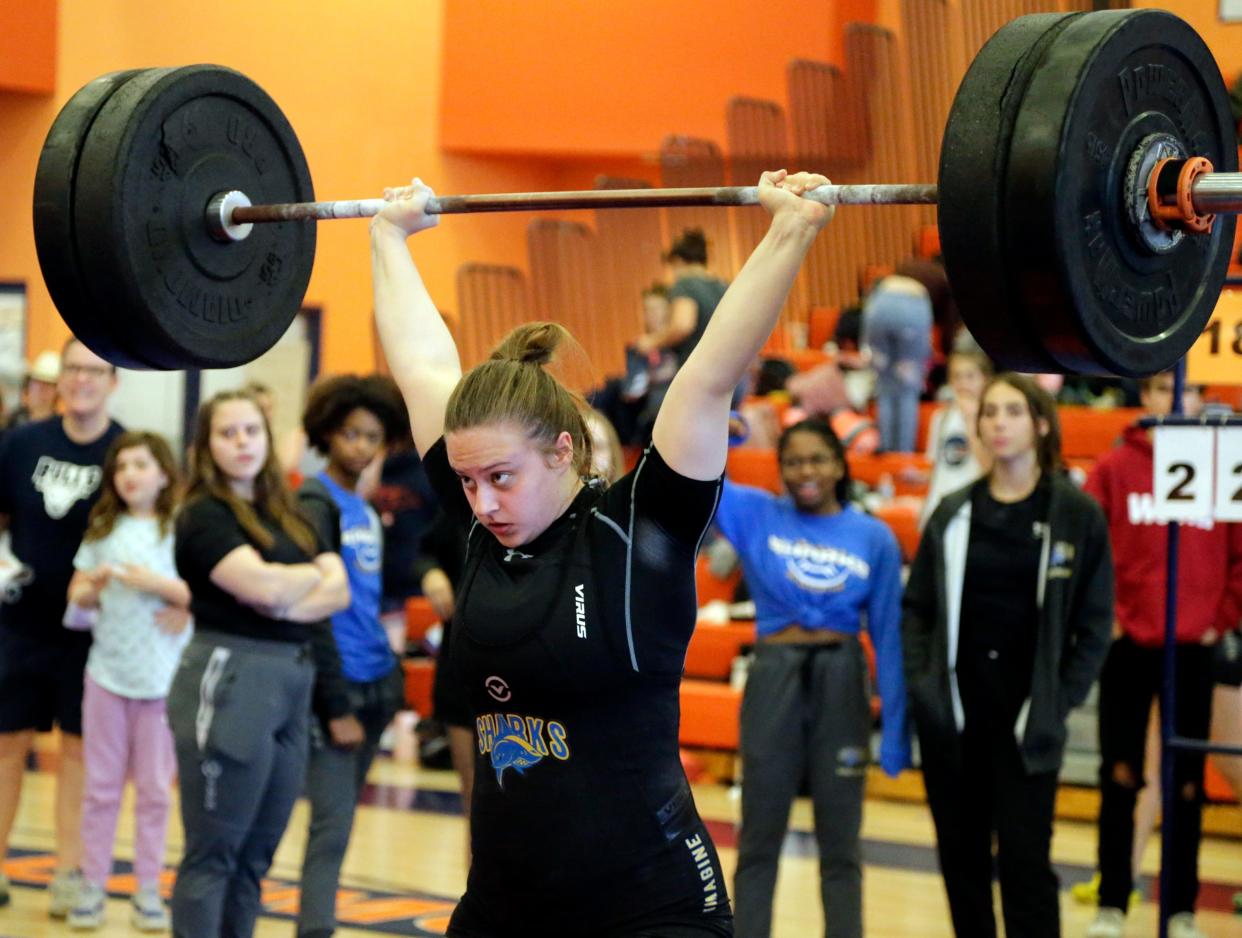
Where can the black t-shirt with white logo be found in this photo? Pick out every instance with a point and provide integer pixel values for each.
(572, 647)
(48, 485)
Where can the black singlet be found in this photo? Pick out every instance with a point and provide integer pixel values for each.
(571, 648)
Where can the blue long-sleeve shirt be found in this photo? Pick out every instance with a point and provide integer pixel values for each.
(825, 572)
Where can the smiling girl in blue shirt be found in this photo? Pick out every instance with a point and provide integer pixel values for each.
(819, 571)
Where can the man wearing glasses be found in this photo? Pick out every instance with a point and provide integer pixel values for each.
(50, 473)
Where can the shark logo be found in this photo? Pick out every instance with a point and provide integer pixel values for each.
(515, 752)
(517, 742)
(511, 555)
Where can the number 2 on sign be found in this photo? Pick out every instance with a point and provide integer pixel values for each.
(1182, 484)
(1228, 501)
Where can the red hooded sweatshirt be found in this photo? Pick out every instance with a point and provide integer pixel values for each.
(1209, 586)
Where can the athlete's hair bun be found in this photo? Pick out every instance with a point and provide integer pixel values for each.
(532, 344)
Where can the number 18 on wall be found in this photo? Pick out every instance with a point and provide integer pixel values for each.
(1198, 473)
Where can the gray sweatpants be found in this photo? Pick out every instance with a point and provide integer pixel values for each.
(334, 781)
(239, 710)
(805, 714)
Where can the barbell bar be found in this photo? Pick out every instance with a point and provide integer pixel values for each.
(1086, 196)
(1211, 194)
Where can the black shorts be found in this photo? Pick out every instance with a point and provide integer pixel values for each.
(41, 679)
(449, 702)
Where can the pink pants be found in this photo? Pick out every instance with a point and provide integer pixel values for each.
(124, 738)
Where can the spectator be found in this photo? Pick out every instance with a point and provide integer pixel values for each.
(897, 320)
(1209, 604)
(816, 568)
(50, 472)
(692, 298)
(957, 457)
(1008, 609)
(348, 420)
(125, 570)
(38, 394)
(262, 587)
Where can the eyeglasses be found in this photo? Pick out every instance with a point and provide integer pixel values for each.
(87, 371)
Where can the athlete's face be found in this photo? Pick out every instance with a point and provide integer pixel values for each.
(515, 487)
(811, 471)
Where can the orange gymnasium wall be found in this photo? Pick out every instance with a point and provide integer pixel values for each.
(473, 95)
(558, 77)
(361, 84)
(28, 46)
(1224, 39)
(361, 91)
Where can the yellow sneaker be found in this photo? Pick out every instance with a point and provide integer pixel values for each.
(1087, 893)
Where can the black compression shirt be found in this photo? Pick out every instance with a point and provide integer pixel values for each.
(571, 648)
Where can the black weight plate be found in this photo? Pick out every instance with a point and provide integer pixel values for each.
(1102, 301)
(974, 157)
(160, 148)
(53, 223)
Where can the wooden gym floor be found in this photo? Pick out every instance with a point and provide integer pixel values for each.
(406, 865)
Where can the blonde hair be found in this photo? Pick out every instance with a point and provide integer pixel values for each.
(515, 386)
(272, 497)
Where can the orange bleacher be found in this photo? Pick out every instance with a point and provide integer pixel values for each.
(420, 675)
(1088, 433)
(710, 587)
(821, 325)
(709, 715)
(419, 672)
(713, 648)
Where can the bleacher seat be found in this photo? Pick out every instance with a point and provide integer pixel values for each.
(419, 617)
(1089, 433)
(710, 587)
(420, 675)
(710, 712)
(713, 648)
(821, 325)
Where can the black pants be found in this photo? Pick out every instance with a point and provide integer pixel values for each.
(1130, 680)
(981, 790)
(334, 782)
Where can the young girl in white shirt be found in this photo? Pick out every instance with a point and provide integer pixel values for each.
(125, 569)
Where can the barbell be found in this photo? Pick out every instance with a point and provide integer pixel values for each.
(1086, 193)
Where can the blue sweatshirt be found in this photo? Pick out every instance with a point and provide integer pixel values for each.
(362, 642)
(825, 572)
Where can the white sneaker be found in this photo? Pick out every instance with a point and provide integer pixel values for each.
(147, 910)
(64, 892)
(1109, 923)
(89, 907)
(1182, 925)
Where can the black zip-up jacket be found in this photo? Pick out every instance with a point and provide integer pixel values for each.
(1075, 599)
